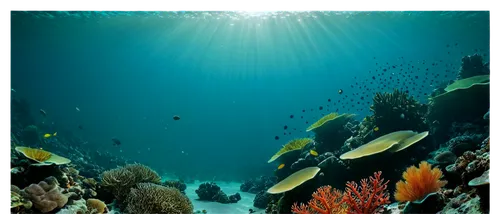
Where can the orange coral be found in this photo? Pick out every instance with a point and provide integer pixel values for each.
(324, 201)
(419, 182)
(368, 197)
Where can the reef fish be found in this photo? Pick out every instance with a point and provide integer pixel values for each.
(281, 166)
(116, 142)
(376, 129)
(49, 135)
(313, 153)
(43, 112)
(176, 117)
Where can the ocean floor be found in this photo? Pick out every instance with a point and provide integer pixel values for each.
(241, 207)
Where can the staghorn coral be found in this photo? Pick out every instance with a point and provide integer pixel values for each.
(397, 111)
(418, 183)
(119, 181)
(153, 198)
(180, 185)
(368, 197)
(324, 201)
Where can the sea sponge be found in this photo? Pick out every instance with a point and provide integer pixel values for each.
(41, 156)
(46, 195)
(96, 206)
(153, 198)
(293, 145)
(418, 182)
(120, 180)
(378, 145)
(397, 111)
(294, 180)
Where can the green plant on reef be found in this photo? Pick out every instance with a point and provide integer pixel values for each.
(397, 111)
(153, 198)
(119, 181)
(295, 144)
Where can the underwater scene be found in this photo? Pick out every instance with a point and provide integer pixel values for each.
(318, 112)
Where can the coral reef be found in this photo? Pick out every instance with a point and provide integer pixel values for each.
(473, 66)
(263, 198)
(153, 198)
(368, 197)
(46, 195)
(258, 184)
(96, 206)
(293, 145)
(119, 181)
(418, 182)
(330, 131)
(181, 186)
(397, 111)
(324, 201)
(212, 192)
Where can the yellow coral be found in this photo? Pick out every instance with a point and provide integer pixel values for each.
(41, 156)
(294, 180)
(96, 205)
(295, 144)
(330, 118)
(418, 182)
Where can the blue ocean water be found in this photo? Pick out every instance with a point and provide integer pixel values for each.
(233, 78)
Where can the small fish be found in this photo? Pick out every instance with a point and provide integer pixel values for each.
(43, 112)
(375, 129)
(49, 135)
(80, 127)
(341, 91)
(13, 90)
(402, 116)
(77, 109)
(313, 153)
(116, 142)
(281, 166)
(176, 117)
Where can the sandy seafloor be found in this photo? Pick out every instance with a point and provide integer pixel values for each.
(241, 207)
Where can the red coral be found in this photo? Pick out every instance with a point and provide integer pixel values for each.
(368, 197)
(324, 201)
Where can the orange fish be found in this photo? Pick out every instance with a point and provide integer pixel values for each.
(281, 166)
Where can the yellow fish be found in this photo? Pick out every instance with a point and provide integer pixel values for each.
(313, 153)
(375, 129)
(49, 135)
(281, 166)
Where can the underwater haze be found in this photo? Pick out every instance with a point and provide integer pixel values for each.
(234, 79)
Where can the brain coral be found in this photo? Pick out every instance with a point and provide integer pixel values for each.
(46, 195)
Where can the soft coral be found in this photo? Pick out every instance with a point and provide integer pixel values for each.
(368, 197)
(324, 201)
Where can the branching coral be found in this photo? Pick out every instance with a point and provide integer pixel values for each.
(324, 201)
(368, 197)
(472, 66)
(397, 111)
(152, 198)
(418, 182)
(120, 180)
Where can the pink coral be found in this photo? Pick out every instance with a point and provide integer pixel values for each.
(46, 195)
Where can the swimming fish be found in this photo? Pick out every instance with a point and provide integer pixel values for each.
(116, 142)
(49, 135)
(43, 112)
(341, 91)
(281, 166)
(313, 153)
(13, 90)
(375, 129)
(77, 109)
(402, 116)
(176, 117)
